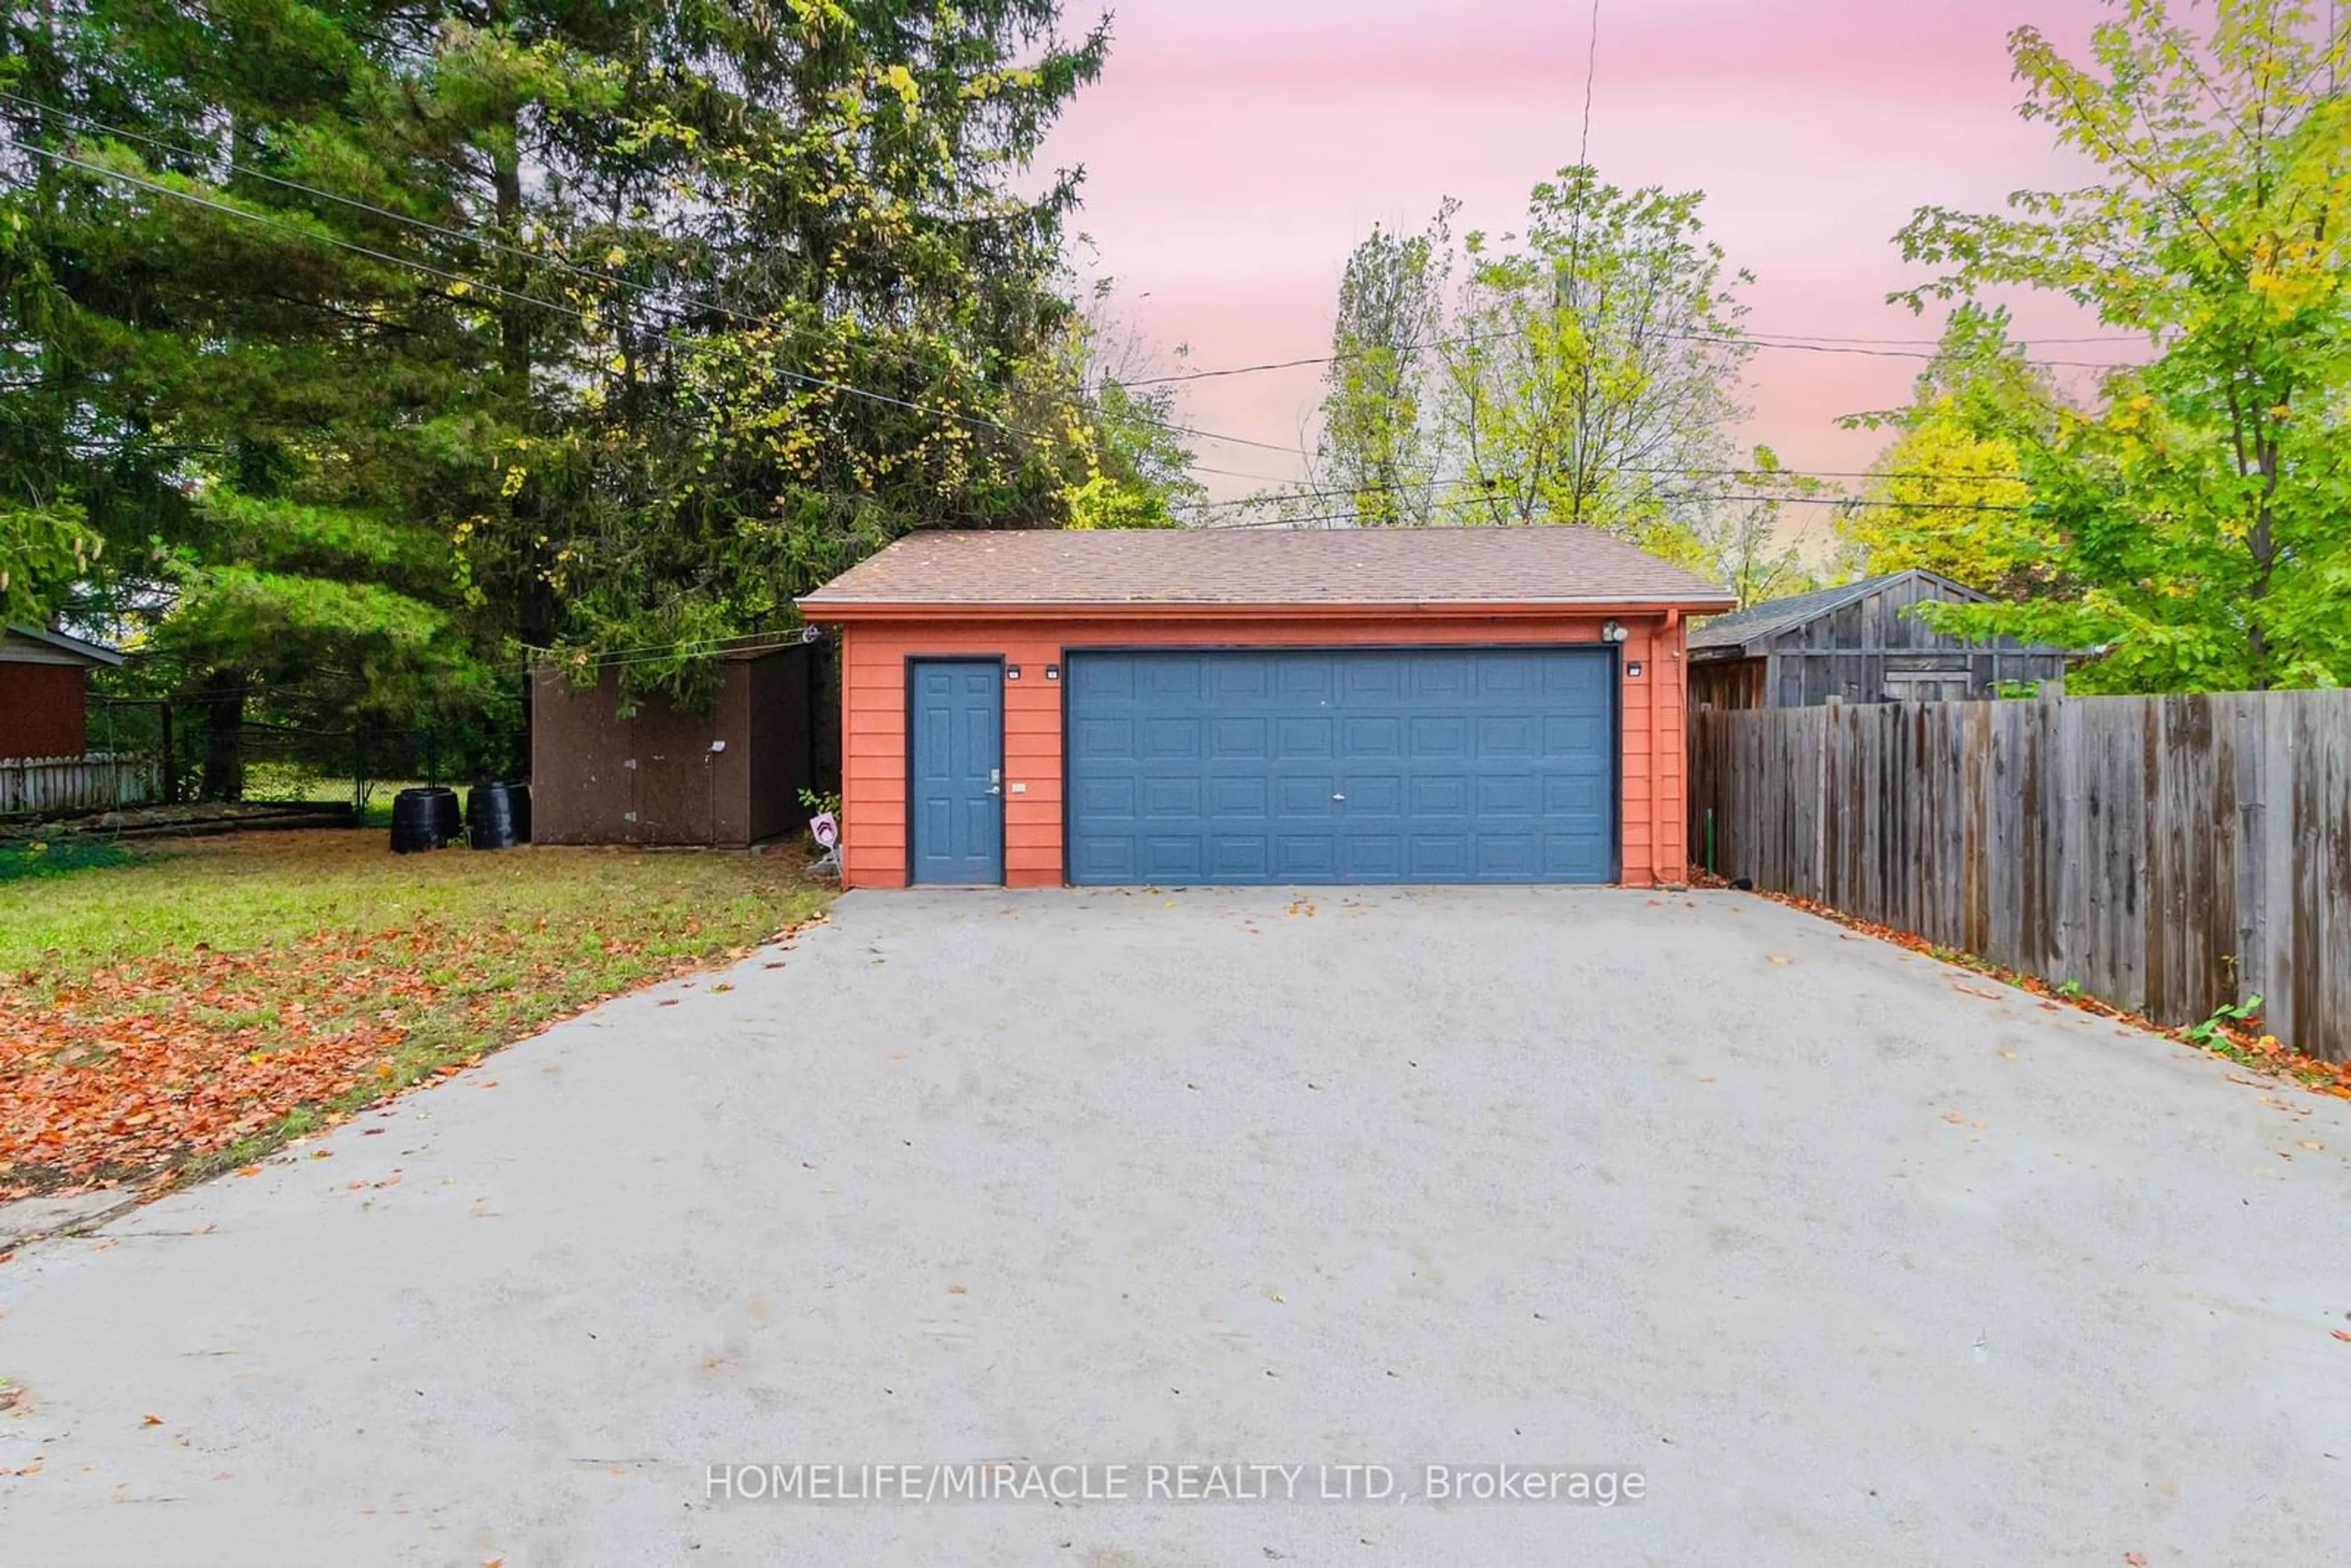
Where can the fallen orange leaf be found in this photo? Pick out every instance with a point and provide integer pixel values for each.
(151, 1420)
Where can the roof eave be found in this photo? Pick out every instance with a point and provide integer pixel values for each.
(96, 652)
(835, 611)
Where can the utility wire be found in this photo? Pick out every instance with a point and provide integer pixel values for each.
(1875, 347)
(1814, 348)
(472, 285)
(1334, 493)
(1864, 347)
(1841, 501)
(491, 244)
(494, 290)
(1748, 474)
(845, 389)
(664, 293)
(660, 294)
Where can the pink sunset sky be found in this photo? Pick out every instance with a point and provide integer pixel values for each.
(1236, 150)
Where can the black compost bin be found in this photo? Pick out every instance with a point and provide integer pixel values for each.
(497, 816)
(425, 818)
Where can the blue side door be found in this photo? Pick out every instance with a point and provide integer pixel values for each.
(1434, 764)
(955, 714)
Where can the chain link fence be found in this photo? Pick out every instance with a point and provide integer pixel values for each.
(193, 758)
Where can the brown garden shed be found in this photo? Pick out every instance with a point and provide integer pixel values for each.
(1244, 705)
(1860, 642)
(606, 770)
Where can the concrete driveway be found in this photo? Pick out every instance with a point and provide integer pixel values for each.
(1850, 1257)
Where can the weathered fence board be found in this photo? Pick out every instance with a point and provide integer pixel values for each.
(100, 781)
(2172, 855)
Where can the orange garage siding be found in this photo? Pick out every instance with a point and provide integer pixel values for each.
(874, 654)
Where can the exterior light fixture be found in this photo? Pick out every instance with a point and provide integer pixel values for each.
(1011, 672)
(1612, 632)
(1052, 672)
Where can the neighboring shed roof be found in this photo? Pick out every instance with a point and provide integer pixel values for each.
(37, 645)
(1758, 622)
(1069, 568)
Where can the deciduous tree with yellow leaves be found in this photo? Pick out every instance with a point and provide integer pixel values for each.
(1948, 493)
(2202, 512)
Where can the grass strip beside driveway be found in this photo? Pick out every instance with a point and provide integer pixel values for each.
(189, 1010)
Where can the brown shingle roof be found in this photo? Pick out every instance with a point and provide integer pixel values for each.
(1543, 565)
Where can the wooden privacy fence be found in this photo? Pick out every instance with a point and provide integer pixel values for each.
(100, 781)
(2172, 855)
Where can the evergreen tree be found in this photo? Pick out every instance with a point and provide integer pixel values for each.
(364, 346)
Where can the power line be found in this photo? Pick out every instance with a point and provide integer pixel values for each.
(740, 643)
(1236, 474)
(490, 242)
(1854, 503)
(667, 294)
(1935, 342)
(473, 285)
(466, 237)
(1177, 378)
(499, 291)
(661, 294)
(845, 389)
(1886, 347)
(1336, 492)
(1829, 347)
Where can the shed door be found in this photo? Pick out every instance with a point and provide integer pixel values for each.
(1333, 766)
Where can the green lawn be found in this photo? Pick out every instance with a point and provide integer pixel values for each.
(183, 1008)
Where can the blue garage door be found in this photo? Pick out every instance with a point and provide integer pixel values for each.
(1370, 766)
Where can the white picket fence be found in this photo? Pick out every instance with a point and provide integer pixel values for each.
(98, 781)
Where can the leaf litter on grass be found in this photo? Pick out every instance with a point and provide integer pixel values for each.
(207, 1032)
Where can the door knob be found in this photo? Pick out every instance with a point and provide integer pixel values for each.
(1337, 797)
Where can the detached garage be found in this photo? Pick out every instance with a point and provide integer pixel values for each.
(1243, 706)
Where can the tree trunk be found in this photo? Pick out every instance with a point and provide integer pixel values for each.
(514, 317)
(2263, 542)
(223, 776)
